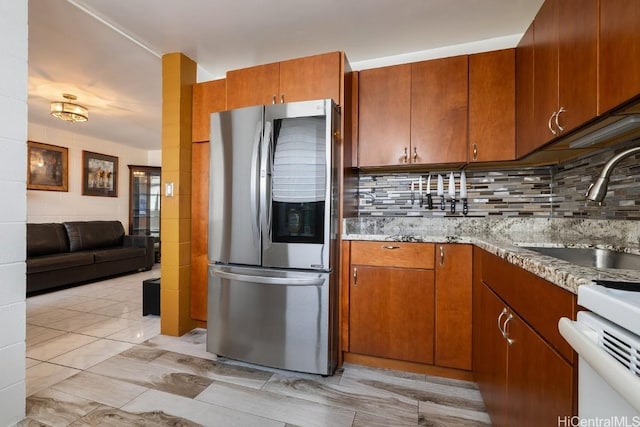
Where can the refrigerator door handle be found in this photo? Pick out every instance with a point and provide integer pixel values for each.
(254, 184)
(265, 183)
(284, 281)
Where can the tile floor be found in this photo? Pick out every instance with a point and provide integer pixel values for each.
(94, 360)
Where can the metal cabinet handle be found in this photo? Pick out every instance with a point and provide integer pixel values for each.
(273, 99)
(550, 125)
(475, 151)
(282, 98)
(390, 247)
(441, 255)
(561, 110)
(355, 276)
(406, 156)
(504, 311)
(415, 155)
(504, 328)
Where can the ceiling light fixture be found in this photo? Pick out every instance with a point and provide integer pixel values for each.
(69, 111)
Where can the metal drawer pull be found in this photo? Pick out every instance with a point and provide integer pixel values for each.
(266, 280)
(355, 276)
(475, 151)
(390, 247)
(504, 311)
(504, 328)
(441, 255)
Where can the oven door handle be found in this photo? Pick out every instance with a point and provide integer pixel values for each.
(619, 378)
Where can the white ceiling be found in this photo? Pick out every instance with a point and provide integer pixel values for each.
(107, 52)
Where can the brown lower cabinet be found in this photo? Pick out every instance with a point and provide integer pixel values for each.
(409, 302)
(453, 306)
(391, 313)
(524, 380)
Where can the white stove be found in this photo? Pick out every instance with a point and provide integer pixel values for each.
(607, 340)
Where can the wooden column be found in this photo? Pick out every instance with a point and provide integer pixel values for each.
(178, 78)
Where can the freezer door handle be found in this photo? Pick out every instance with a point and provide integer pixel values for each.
(284, 281)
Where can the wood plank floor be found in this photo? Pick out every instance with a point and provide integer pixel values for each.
(94, 360)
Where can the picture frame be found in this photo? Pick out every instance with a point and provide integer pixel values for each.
(47, 167)
(99, 174)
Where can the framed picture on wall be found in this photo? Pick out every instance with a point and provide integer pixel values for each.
(47, 167)
(99, 174)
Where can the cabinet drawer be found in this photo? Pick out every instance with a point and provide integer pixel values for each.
(392, 254)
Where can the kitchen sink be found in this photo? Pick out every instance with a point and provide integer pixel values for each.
(591, 257)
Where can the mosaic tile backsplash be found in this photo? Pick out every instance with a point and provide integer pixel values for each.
(553, 191)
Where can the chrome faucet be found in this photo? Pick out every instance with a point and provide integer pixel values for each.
(598, 189)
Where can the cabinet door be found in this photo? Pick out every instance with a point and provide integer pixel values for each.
(312, 77)
(577, 56)
(391, 313)
(525, 124)
(384, 107)
(490, 353)
(144, 202)
(619, 51)
(453, 306)
(545, 71)
(199, 229)
(492, 110)
(540, 382)
(208, 97)
(439, 101)
(253, 86)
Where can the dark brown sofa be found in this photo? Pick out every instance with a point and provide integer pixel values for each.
(81, 251)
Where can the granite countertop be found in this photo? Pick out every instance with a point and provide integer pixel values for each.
(505, 238)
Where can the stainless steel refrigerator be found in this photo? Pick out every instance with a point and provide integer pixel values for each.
(272, 234)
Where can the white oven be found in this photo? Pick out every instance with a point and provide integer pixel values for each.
(607, 340)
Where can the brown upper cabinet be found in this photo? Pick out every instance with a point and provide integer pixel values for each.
(208, 97)
(439, 106)
(492, 98)
(413, 113)
(619, 65)
(525, 135)
(384, 114)
(565, 42)
(312, 77)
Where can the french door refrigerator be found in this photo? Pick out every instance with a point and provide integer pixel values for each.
(272, 233)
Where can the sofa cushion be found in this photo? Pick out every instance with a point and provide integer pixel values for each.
(118, 253)
(45, 239)
(85, 235)
(58, 261)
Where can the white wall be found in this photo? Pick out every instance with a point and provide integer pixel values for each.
(58, 206)
(13, 160)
